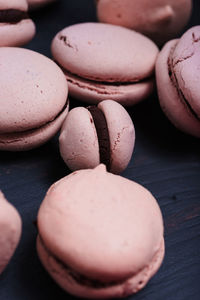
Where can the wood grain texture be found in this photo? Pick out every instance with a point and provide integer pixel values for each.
(165, 161)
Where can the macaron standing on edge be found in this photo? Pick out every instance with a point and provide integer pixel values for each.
(33, 99)
(10, 231)
(114, 231)
(178, 81)
(103, 61)
(97, 134)
(16, 28)
(160, 20)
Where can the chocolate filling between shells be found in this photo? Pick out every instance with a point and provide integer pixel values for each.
(102, 134)
(12, 16)
(78, 277)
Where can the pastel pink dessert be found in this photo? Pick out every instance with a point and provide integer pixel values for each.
(33, 99)
(35, 4)
(16, 28)
(161, 20)
(103, 61)
(178, 78)
(100, 235)
(10, 231)
(97, 134)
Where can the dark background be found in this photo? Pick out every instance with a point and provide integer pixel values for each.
(165, 161)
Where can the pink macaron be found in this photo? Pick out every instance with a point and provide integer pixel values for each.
(178, 78)
(97, 134)
(16, 28)
(33, 99)
(35, 4)
(10, 231)
(160, 20)
(100, 235)
(103, 61)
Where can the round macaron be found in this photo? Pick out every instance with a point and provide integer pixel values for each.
(97, 134)
(103, 61)
(16, 28)
(178, 78)
(160, 20)
(33, 99)
(100, 235)
(35, 4)
(10, 231)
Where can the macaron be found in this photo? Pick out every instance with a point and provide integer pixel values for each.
(103, 61)
(100, 235)
(35, 4)
(10, 233)
(16, 28)
(178, 78)
(161, 20)
(97, 134)
(33, 99)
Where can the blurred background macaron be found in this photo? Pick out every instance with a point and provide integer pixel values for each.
(178, 81)
(160, 20)
(35, 4)
(10, 231)
(97, 134)
(100, 235)
(16, 28)
(33, 99)
(103, 61)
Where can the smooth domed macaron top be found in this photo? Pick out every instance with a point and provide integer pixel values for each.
(161, 20)
(104, 52)
(14, 4)
(185, 61)
(100, 224)
(33, 89)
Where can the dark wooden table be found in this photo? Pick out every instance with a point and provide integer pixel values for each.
(165, 161)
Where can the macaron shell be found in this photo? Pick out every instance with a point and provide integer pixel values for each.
(186, 65)
(78, 140)
(29, 139)
(170, 102)
(161, 20)
(14, 4)
(11, 225)
(104, 52)
(131, 285)
(17, 34)
(95, 92)
(121, 134)
(38, 94)
(111, 236)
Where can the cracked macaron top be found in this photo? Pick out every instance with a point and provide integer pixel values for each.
(101, 57)
(179, 96)
(114, 231)
(33, 92)
(16, 27)
(97, 134)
